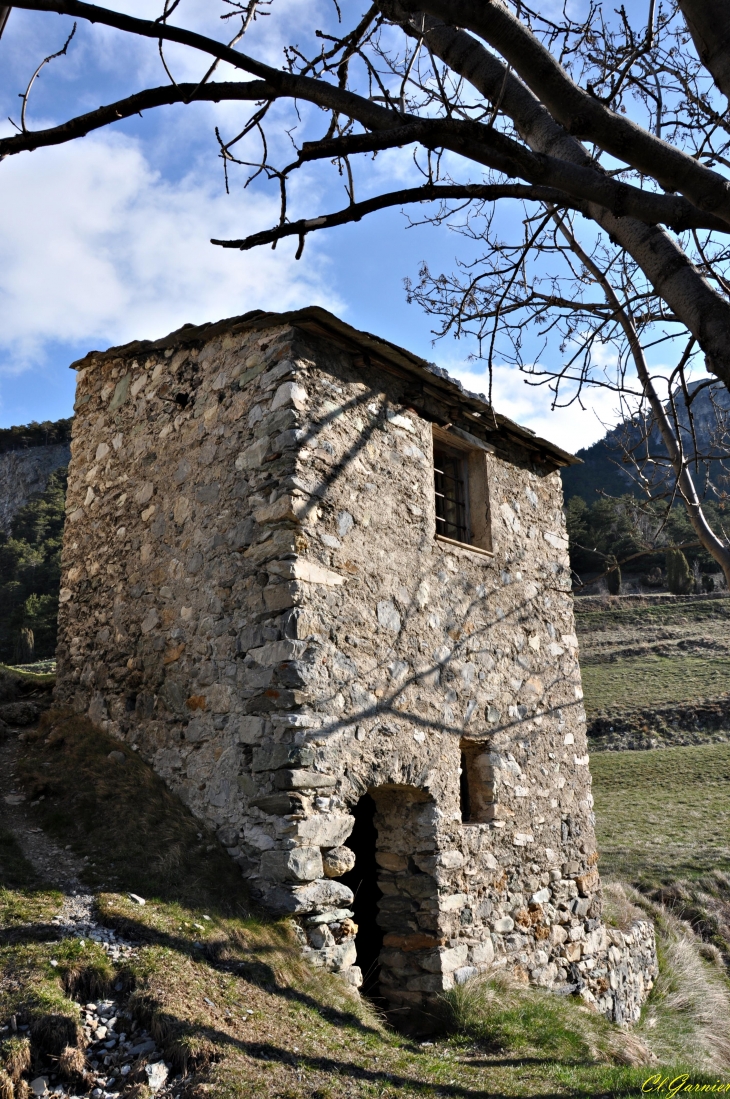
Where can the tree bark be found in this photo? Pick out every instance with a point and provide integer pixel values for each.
(579, 113)
(708, 21)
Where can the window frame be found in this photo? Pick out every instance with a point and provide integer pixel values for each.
(474, 454)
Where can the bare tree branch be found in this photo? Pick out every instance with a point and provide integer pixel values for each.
(430, 192)
(251, 91)
(581, 114)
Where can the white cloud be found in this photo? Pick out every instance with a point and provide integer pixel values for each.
(570, 428)
(96, 246)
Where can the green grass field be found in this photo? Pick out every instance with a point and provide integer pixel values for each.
(636, 656)
(665, 814)
(641, 681)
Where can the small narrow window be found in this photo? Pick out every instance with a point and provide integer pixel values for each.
(461, 493)
(450, 484)
(464, 790)
(477, 793)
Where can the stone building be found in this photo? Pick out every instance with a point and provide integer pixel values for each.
(325, 592)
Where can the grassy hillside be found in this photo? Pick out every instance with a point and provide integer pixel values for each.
(634, 682)
(655, 671)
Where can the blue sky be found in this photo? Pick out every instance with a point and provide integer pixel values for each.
(106, 239)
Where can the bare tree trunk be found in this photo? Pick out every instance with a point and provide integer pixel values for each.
(708, 21)
(685, 483)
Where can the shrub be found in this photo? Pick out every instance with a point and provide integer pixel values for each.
(613, 578)
(679, 574)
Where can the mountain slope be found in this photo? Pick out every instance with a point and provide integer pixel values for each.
(603, 469)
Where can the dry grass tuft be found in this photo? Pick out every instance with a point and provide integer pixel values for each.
(194, 1054)
(618, 909)
(136, 1091)
(697, 995)
(83, 980)
(711, 953)
(687, 1017)
(7, 1090)
(51, 1033)
(72, 1062)
(16, 1057)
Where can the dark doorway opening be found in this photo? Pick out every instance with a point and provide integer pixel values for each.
(363, 881)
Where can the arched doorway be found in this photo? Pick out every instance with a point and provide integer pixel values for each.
(363, 881)
(395, 906)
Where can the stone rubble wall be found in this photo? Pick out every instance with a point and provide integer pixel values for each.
(254, 598)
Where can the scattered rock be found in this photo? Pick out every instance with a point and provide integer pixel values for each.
(117, 757)
(156, 1075)
(19, 713)
(137, 899)
(337, 861)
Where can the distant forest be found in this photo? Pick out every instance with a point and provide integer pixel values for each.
(611, 519)
(29, 435)
(30, 575)
(638, 534)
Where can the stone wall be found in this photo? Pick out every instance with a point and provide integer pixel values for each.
(253, 596)
(23, 472)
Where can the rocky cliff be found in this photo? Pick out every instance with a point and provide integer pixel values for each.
(603, 471)
(28, 457)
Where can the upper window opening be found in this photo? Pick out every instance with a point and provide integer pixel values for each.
(461, 494)
(452, 517)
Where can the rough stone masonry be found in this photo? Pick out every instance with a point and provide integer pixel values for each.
(261, 594)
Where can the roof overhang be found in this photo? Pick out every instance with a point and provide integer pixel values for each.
(375, 349)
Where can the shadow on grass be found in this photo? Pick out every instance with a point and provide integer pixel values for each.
(246, 963)
(15, 870)
(26, 901)
(119, 813)
(349, 1070)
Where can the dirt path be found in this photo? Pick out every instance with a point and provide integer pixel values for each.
(57, 867)
(110, 1057)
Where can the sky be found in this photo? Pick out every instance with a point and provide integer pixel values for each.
(106, 239)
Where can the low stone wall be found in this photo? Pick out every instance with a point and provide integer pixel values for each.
(613, 970)
(701, 721)
(632, 969)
